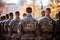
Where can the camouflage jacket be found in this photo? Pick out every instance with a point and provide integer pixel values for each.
(47, 24)
(14, 24)
(2, 25)
(6, 25)
(29, 25)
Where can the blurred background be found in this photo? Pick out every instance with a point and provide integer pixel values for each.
(7, 6)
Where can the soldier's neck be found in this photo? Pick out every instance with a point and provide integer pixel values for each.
(18, 17)
(28, 14)
(47, 15)
(11, 17)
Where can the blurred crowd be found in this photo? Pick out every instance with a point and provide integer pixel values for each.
(29, 28)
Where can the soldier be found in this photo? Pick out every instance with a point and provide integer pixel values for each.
(3, 21)
(29, 26)
(6, 26)
(56, 17)
(24, 15)
(3, 17)
(7, 16)
(43, 13)
(14, 24)
(58, 27)
(2, 27)
(47, 25)
(8, 21)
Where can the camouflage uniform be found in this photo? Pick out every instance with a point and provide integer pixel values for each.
(58, 29)
(47, 25)
(14, 24)
(29, 28)
(6, 28)
(2, 28)
(7, 24)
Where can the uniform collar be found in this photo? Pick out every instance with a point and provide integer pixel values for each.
(29, 15)
(17, 17)
(47, 16)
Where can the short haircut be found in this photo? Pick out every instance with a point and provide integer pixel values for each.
(42, 11)
(48, 9)
(10, 14)
(3, 17)
(28, 9)
(24, 14)
(7, 15)
(17, 13)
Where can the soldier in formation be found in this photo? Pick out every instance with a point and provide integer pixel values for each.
(6, 26)
(24, 15)
(47, 25)
(29, 26)
(2, 27)
(7, 16)
(43, 13)
(14, 25)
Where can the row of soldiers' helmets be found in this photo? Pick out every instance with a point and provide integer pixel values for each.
(28, 25)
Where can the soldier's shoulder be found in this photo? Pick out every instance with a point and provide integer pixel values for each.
(7, 20)
(13, 20)
(35, 19)
(3, 21)
(0, 22)
(41, 19)
(24, 19)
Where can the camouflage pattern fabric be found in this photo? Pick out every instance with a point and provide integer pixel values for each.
(47, 26)
(29, 25)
